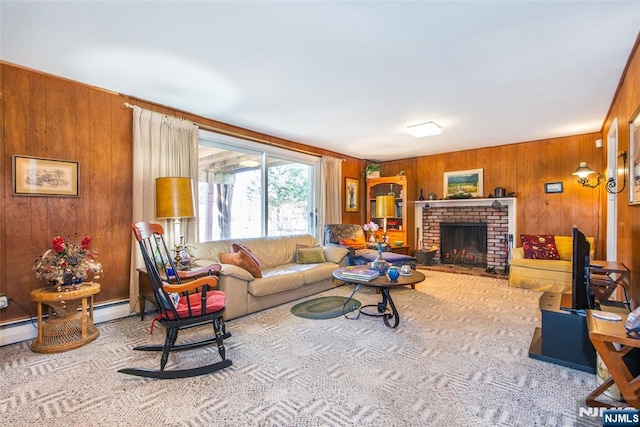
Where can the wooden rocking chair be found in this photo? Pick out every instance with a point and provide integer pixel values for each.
(181, 305)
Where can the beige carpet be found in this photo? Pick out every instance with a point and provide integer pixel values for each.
(458, 358)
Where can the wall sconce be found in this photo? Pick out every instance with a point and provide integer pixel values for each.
(583, 171)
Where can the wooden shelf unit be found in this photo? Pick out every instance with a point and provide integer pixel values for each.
(397, 226)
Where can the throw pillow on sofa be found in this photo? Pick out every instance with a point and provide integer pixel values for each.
(243, 260)
(237, 247)
(309, 254)
(539, 246)
(355, 243)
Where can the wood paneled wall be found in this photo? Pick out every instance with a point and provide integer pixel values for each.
(44, 116)
(522, 169)
(47, 116)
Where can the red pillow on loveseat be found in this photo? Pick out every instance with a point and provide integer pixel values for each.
(539, 246)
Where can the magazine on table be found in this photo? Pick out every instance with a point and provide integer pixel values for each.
(360, 273)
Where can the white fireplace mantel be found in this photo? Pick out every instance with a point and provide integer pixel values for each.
(509, 202)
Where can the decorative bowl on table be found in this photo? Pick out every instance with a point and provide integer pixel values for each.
(398, 242)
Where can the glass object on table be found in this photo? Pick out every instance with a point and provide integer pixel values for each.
(379, 263)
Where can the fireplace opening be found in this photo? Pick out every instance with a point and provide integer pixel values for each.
(463, 243)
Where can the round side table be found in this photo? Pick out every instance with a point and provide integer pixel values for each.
(65, 328)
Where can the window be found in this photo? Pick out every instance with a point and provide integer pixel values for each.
(245, 190)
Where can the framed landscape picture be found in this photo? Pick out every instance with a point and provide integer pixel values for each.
(634, 159)
(352, 194)
(463, 184)
(33, 176)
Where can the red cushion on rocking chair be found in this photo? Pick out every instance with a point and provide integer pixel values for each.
(216, 301)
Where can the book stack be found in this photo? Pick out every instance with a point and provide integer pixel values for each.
(360, 273)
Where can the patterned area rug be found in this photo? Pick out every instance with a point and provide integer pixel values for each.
(458, 358)
(326, 307)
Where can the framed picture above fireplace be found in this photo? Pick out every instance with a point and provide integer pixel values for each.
(463, 184)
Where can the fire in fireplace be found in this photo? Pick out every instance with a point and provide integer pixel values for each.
(463, 243)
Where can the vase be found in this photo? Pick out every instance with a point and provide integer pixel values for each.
(372, 237)
(69, 284)
(393, 273)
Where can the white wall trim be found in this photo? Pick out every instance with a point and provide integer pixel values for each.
(612, 199)
(27, 329)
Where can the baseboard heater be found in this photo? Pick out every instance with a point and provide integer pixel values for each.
(26, 329)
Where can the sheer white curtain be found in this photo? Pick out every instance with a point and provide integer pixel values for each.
(331, 191)
(162, 146)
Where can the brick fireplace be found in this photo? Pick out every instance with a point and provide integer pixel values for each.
(497, 213)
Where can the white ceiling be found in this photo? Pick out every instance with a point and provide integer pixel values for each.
(347, 76)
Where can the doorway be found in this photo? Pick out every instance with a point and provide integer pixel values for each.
(612, 202)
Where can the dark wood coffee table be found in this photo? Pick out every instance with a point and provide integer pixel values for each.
(384, 284)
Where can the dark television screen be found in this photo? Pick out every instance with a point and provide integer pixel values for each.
(581, 295)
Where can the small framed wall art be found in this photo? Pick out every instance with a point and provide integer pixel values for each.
(553, 187)
(36, 176)
(352, 195)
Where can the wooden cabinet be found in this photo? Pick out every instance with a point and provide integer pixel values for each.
(396, 187)
(402, 250)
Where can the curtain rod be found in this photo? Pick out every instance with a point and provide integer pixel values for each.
(239, 135)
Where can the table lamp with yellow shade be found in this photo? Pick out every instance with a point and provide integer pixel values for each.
(174, 200)
(385, 208)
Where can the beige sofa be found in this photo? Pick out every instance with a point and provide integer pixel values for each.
(545, 275)
(282, 280)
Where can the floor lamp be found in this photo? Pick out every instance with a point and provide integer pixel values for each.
(385, 208)
(174, 200)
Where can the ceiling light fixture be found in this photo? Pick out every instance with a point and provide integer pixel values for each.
(424, 129)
